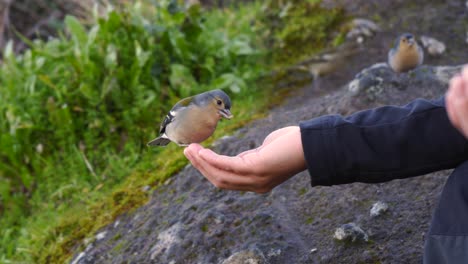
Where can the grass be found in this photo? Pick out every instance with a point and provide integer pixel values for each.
(78, 110)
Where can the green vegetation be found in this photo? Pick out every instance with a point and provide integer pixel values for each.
(302, 28)
(77, 111)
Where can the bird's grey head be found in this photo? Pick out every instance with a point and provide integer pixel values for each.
(406, 39)
(219, 94)
(219, 99)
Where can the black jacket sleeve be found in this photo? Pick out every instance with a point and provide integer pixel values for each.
(382, 144)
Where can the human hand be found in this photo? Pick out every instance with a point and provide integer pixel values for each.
(456, 101)
(258, 170)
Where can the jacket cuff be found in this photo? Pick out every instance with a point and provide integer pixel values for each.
(318, 149)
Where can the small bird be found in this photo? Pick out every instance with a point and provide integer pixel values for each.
(193, 119)
(406, 55)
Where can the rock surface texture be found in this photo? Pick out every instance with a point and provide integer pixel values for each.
(190, 221)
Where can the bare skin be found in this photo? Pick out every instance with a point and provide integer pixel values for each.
(258, 170)
(456, 101)
(281, 155)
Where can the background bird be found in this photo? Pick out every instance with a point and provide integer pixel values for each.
(406, 55)
(193, 119)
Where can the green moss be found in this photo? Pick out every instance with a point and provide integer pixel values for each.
(377, 18)
(180, 199)
(302, 28)
(117, 236)
(73, 228)
(302, 191)
(119, 247)
(339, 39)
(204, 228)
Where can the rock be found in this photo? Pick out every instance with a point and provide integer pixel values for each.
(274, 253)
(78, 258)
(433, 46)
(350, 232)
(378, 208)
(372, 81)
(222, 140)
(445, 73)
(166, 239)
(362, 28)
(246, 257)
(101, 235)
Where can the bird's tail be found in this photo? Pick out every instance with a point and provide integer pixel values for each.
(160, 141)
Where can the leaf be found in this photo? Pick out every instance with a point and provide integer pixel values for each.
(235, 88)
(181, 79)
(47, 81)
(141, 55)
(179, 44)
(241, 47)
(31, 84)
(231, 81)
(76, 30)
(150, 97)
(111, 57)
(8, 51)
(108, 85)
(223, 81)
(194, 11)
(88, 92)
(27, 179)
(39, 62)
(93, 33)
(209, 64)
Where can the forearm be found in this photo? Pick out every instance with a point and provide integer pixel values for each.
(382, 144)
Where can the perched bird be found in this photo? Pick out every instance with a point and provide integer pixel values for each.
(193, 119)
(406, 55)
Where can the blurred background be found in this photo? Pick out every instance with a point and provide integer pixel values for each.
(84, 85)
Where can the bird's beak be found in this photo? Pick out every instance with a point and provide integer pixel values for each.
(410, 41)
(225, 113)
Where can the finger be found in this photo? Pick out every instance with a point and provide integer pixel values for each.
(454, 94)
(457, 104)
(191, 156)
(192, 149)
(224, 179)
(459, 107)
(236, 164)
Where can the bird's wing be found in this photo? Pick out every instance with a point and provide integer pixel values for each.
(391, 53)
(172, 114)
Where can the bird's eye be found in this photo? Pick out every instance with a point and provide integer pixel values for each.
(404, 40)
(219, 102)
